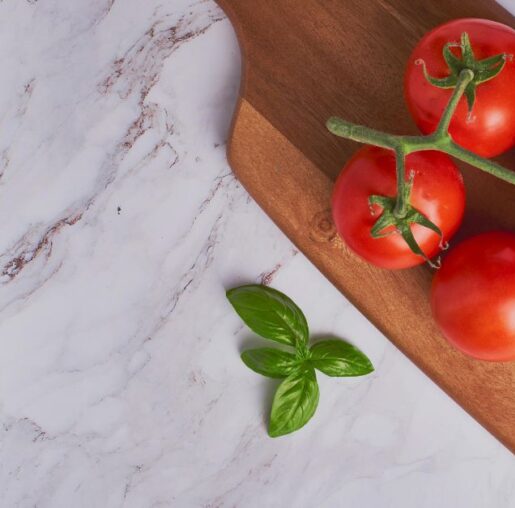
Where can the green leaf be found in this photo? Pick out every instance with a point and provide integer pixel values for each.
(409, 238)
(295, 402)
(271, 362)
(487, 71)
(338, 358)
(271, 314)
(383, 201)
(492, 61)
(386, 220)
(470, 94)
(416, 217)
(448, 82)
(454, 63)
(467, 52)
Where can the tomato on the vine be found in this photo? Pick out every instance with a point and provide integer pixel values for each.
(438, 193)
(489, 128)
(473, 296)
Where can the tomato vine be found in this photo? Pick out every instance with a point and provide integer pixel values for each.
(466, 75)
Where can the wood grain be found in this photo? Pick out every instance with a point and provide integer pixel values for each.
(306, 60)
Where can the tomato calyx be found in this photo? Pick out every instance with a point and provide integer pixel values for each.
(391, 222)
(484, 70)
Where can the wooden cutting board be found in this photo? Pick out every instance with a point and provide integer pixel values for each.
(306, 60)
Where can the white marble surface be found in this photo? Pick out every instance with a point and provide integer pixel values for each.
(120, 378)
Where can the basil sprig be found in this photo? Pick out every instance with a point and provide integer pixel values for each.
(274, 316)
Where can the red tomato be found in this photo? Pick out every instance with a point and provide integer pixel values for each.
(473, 296)
(490, 130)
(438, 192)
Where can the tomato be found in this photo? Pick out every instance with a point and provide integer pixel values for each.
(473, 296)
(438, 192)
(490, 129)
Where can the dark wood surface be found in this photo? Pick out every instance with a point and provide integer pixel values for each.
(306, 60)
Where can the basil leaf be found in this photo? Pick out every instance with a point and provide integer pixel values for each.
(271, 314)
(338, 358)
(294, 403)
(270, 362)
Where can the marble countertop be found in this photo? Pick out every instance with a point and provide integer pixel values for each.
(120, 378)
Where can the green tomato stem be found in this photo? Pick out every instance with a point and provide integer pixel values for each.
(401, 205)
(440, 140)
(481, 163)
(464, 78)
(362, 134)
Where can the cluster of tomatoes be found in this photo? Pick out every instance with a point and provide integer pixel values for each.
(473, 293)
